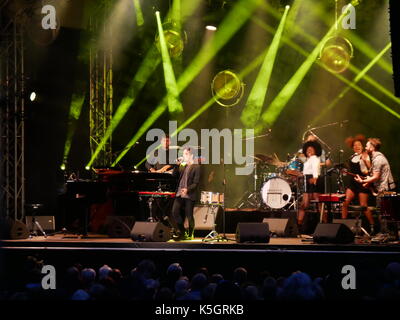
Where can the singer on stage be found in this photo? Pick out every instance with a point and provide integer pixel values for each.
(189, 178)
(359, 163)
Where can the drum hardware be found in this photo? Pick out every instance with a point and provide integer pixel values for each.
(358, 230)
(213, 235)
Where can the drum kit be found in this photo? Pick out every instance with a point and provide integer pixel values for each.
(277, 184)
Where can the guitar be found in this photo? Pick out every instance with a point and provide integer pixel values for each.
(368, 186)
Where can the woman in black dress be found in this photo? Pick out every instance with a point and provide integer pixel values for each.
(359, 163)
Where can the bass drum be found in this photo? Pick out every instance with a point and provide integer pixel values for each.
(276, 193)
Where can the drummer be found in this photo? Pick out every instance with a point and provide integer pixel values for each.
(324, 158)
(311, 172)
(325, 161)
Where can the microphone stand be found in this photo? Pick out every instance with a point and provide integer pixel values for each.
(224, 238)
(260, 136)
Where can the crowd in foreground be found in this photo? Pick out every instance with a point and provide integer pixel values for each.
(146, 282)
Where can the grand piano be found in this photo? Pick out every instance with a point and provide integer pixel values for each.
(120, 193)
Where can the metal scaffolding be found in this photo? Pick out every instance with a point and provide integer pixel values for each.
(12, 127)
(101, 86)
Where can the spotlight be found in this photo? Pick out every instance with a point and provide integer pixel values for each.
(32, 96)
(336, 54)
(287, 7)
(62, 167)
(227, 89)
(211, 28)
(87, 168)
(174, 37)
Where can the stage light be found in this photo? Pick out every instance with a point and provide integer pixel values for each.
(235, 19)
(336, 54)
(227, 89)
(32, 96)
(287, 7)
(211, 28)
(368, 79)
(273, 111)
(359, 76)
(369, 52)
(63, 167)
(252, 110)
(146, 69)
(87, 168)
(173, 37)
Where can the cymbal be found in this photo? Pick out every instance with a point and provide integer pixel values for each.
(264, 158)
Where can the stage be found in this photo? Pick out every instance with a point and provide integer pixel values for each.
(280, 256)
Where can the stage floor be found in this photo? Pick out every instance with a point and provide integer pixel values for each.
(281, 256)
(98, 241)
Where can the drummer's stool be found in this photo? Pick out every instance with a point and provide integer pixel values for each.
(358, 229)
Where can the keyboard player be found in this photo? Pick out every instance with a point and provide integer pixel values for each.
(161, 207)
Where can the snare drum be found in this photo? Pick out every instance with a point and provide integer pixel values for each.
(390, 207)
(276, 193)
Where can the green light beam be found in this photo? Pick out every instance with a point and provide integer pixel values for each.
(314, 41)
(149, 65)
(235, 19)
(139, 13)
(252, 110)
(74, 115)
(299, 49)
(347, 89)
(174, 105)
(146, 69)
(269, 116)
(240, 13)
(247, 70)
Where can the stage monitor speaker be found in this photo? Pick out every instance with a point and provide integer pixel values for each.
(337, 233)
(350, 223)
(13, 229)
(282, 227)
(252, 232)
(150, 231)
(46, 222)
(119, 226)
(203, 217)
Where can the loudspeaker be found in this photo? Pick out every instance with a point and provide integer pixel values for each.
(252, 232)
(337, 233)
(282, 227)
(46, 222)
(119, 226)
(13, 229)
(203, 217)
(350, 223)
(150, 231)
